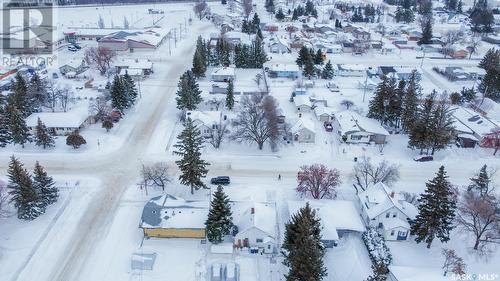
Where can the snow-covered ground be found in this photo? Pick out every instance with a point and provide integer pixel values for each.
(91, 233)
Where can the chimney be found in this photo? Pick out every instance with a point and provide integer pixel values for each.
(252, 210)
(392, 194)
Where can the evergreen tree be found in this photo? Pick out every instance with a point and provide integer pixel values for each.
(327, 71)
(244, 27)
(24, 195)
(410, 102)
(230, 95)
(4, 128)
(308, 69)
(426, 33)
(256, 22)
(467, 94)
(241, 56)
(36, 91)
(420, 135)
(259, 35)
(223, 2)
(75, 140)
(117, 91)
(19, 96)
(200, 60)
(188, 93)
(441, 126)
(302, 249)
(258, 55)
(318, 57)
(280, 15)
(269, 6)
(490, 84)
(130, 92)
(303, 53)
(219, 222)
(481, 182)
(42, 137)
(192, 167)
(378, 107)
(44, 185)
(436, 211)
(19, 132)
(491, 60)
(481, 17)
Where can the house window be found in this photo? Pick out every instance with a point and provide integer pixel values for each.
(354, 137)
(387, 215)
(394, 215)
(402, 233)
(259, 240)
(392, 232)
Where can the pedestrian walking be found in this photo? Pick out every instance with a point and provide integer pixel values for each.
(279, 177)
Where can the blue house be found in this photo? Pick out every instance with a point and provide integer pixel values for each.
(284, 71)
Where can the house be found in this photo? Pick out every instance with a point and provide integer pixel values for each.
(271, 27)
(279, 46)
(351, 70)
(304, 131)
(347, 47)
(361, 34)
(223, 74)
(492, 38)
(302, 103)
(75, 66)
(338, 218)
(60, 123)
(387, 211)
(257, 225)
(457, 51)
(149, 39)
(207, 121)
(168, 216)
(284, 71)
(354, 128)
(457, 73)
(396, 72)
(475, 127)
(323, 113)
(140, 66)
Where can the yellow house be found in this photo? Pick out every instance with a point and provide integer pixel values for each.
(168, 216)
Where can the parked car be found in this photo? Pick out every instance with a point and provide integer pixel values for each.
(332, 87)
(55, 76)
(424, 158)
(328, 126)
(223, 180)
(78, 47)
(72, 48)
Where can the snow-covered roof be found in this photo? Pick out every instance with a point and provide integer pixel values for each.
(474, 121)
(323, 110)
(207, 118)
(168, 211)
(284, 67)
(351, 121)
(248, 215)
(302, 100)
(352, 67)
(223, 71)
(334, 214)
(72, 118)
(74, 62)
(379, 198)
(303, 123)
(134, 63)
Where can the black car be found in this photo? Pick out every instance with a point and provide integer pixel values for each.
(424, 158)
(223, 180)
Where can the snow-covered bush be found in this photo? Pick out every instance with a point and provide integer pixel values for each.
(377, 249)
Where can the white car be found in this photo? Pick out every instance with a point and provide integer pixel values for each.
(332, 87)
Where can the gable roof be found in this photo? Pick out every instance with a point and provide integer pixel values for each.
(304, 123)
(351, 122)
(379, 198)
(262, 216)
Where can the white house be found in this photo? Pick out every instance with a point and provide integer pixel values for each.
(351, 70)
(410, 273)
(323, 113)
(223, 74)
(279, 46)
(75, 65)
(388, 211)
(355, 128)
(207, 121)
(338, 217)
(257, 225)
(302, 103)
(304, 131)
(60, 123)
(137, 67)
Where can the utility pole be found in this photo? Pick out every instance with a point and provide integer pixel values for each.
(364, 91)
(169, 48)
(175, 37)
(180, 31)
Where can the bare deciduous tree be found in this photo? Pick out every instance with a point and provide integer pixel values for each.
(318, 181)
(452, 262)
(251, 123)
(479, 215)
(99, 108)
(216, 102)
(155, 175)
(219, 134)
(101, 57)
(365, 173)
(200, 9)
(65, 97)
(271, 114)
(473, 45)
(411, 198)
(450, 38)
